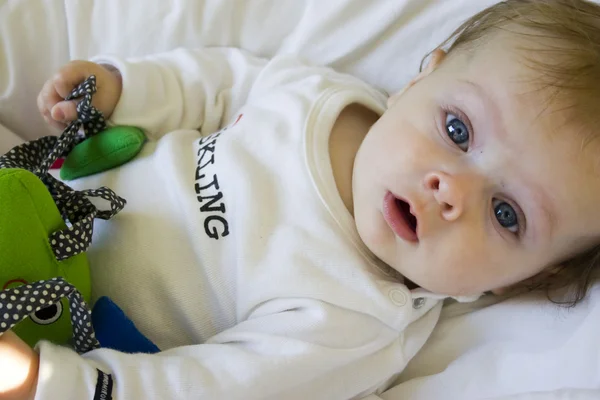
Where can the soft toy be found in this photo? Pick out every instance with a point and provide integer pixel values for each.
(46, 227)
(28, 217)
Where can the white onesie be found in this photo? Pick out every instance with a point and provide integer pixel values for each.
(235, 253)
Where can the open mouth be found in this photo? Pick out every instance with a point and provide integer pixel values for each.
(399, 217)
(410, 219)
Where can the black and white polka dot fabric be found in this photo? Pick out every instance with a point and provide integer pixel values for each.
(39, 155)
(17, 304)
(75, 207)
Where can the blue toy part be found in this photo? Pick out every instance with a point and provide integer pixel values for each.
(115, 331)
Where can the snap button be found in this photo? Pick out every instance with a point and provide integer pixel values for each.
(398, 297)
(418, 303)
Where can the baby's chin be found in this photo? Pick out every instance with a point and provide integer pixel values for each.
(412, 278)
(441, 288)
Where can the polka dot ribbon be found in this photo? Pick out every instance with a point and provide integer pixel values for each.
(19, 303)
(75, 207)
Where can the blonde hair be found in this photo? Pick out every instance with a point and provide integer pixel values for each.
(565, 38)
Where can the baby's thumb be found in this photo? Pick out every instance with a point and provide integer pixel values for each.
(65, 111)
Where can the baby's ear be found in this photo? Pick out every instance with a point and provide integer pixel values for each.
(436, 58)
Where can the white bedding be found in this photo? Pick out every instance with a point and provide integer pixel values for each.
(521, 348)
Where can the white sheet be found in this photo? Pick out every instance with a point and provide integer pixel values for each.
(8, 140)
(519, 346)
(522, 348)
(381, 41)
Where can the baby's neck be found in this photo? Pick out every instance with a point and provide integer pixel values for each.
(347, 134)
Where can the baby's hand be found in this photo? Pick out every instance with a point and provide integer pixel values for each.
(18, 368)
(58, 112)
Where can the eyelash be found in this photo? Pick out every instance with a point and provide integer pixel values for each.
(448, 109)
(520, 217)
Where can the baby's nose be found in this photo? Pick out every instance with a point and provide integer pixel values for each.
(450, 192)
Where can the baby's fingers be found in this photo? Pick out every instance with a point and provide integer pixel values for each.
(64, 111)
(58, 88)
(71, 75)
(47, 98)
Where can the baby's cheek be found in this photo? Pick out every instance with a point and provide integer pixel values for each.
(462, 270)
(377, 236)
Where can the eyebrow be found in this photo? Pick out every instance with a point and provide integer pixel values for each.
(489, 104)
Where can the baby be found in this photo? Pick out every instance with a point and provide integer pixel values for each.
(324, 222)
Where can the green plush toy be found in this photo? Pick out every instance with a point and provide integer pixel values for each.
(46, 227)
(28, 215)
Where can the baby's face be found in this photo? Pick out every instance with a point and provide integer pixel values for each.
(500, 186)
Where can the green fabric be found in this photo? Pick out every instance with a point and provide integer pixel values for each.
(108, 149)
(28, 215)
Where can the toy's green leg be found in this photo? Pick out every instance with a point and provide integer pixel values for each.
(108, 149)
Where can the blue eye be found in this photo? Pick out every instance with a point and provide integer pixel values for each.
(457, 131)
(506, 215)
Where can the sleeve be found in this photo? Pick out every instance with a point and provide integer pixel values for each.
(183, 88)
(288, 349)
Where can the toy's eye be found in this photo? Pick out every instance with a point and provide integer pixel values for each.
(48, 315)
